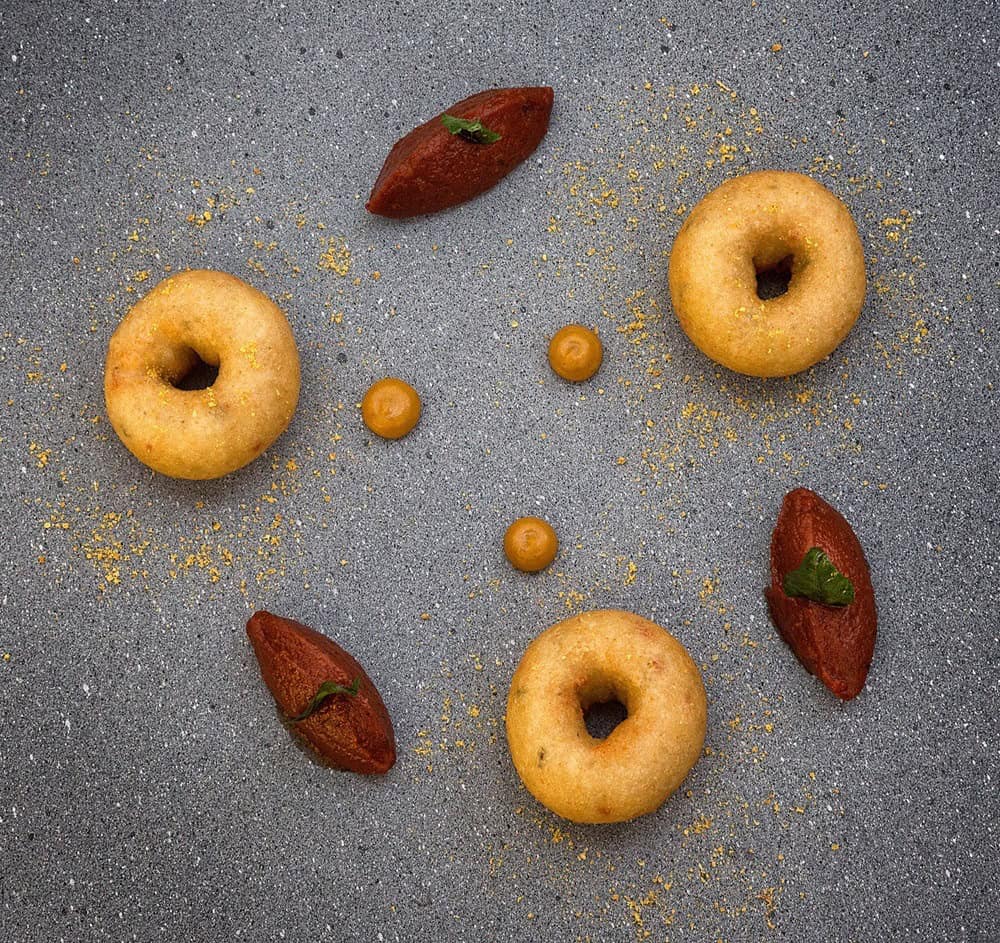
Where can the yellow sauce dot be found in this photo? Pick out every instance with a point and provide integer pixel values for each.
(575, 353)
(391, 408)
(530, 544)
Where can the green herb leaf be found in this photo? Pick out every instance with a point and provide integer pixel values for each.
(325, 690)
(818, 579)
(471, 129)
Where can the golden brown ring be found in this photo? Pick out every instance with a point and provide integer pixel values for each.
(768, 220)
(592, 658)
(224, 322)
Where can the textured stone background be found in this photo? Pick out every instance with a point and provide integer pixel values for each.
(148, 790)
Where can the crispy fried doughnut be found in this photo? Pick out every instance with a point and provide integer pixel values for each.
(592, 658)
(768, 220)
(224, 322)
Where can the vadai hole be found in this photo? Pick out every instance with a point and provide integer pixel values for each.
(773, 280)
(200, 375)
(602, 718)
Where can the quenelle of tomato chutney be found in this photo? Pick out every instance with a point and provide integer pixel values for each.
(462, 152)
(821, 597)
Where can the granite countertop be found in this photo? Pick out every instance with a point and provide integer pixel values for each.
(148, 790)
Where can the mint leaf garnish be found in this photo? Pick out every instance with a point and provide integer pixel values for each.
(472, 129)
(818, 579)
(325, 690)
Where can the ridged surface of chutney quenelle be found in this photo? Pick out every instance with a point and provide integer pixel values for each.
(431, 169)
(835, 643)
(351, 732)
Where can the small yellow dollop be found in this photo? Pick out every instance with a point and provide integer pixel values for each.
(575, 352)
(391, 408)
(530, 544)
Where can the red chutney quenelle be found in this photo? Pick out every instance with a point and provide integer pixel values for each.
(323, 693)
(821, 596)
(462, 152)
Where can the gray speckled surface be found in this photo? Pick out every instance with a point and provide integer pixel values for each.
(148, 790)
